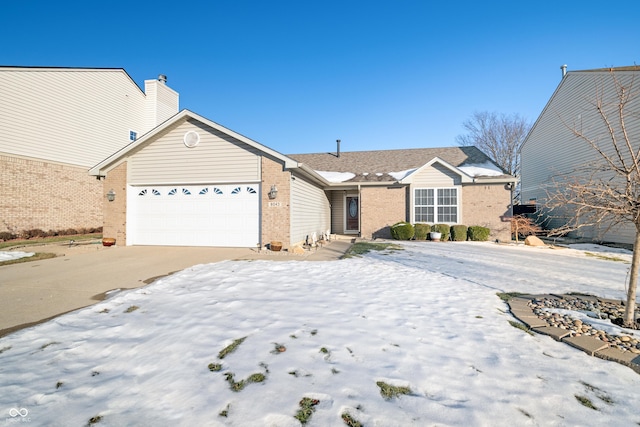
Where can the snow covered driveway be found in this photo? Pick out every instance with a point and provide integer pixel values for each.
(426, 319)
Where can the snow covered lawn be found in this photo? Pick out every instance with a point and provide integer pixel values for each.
(268, 343)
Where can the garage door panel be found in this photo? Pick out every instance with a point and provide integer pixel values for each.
(205, 215)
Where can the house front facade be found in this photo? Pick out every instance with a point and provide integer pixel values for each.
(193, 182)
(56, 123)
(552, 151)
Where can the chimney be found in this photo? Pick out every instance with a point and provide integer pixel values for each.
(162, 78)
(337, 148)
(564, 69)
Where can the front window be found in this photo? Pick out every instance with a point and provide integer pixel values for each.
(436, 205)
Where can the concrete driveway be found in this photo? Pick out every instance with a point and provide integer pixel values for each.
(33, 292)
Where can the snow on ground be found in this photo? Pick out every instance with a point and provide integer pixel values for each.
(426, 317)
(11, 255)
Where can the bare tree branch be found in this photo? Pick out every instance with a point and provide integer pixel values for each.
(604, 193)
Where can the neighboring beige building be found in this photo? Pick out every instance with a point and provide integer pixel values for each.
(56, 123)
(551, 150)
(193, 182)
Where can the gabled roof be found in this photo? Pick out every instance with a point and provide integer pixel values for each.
(182, 116)
(394, 165)
(580, 85)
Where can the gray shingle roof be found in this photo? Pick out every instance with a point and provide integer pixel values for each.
(366, 164)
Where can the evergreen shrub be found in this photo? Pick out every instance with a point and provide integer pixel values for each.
(422, 231)
(458, 233)
(478, 233)
(402, 231)
(443, 229)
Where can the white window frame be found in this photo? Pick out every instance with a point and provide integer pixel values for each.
(436, 205)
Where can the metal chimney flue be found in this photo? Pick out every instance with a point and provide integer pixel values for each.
(162, 78)
(564, 69)
(337, 148)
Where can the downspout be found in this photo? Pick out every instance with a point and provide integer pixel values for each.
(359, 212)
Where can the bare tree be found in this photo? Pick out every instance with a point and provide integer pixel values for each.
(498, 135)
(523, 226)
(606, 192)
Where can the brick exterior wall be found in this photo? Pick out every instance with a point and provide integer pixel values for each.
(488, 205)
(381, 207)
(115, 213)
(47, 196)
(276, 214)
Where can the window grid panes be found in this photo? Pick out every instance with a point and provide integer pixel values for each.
(436, 205)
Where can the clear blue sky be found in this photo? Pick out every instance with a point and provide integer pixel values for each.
(297, 75)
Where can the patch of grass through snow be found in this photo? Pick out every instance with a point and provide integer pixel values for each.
(230, 348)
(307, 408)
(604, 257)
(361, 248)
(389, 391)
(240, 385)
(350, 421)
(506, 296)
(38, 256)
(131, 309)
(215, 367)
(520, 326)
(585, 401)
(598, 392)
(94, 420)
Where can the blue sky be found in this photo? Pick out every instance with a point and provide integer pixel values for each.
(297, 75)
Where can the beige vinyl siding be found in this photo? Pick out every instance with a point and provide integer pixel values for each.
(337, 212)
(218, 158)
(310, 210)
(435, 176)
(552, 150)
(161, 103)
(72, 116)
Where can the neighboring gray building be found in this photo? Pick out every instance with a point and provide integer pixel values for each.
(551, 149)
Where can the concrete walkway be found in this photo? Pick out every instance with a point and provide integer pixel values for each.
(33, 292)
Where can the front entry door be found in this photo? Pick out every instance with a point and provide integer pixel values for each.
(353, 214)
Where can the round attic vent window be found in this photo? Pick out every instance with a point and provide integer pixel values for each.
(191, 139)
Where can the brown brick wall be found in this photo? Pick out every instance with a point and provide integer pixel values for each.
(115, 213)
(381, 207)
(48, 196)
(275, 219)
(488, 206)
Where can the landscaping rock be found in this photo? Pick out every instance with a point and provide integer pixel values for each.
(533, 241)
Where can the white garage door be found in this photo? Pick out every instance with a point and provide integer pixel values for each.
(194, 215)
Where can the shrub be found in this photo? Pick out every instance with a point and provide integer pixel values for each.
(402, 231)
(478, 233)
(421, 231)
(458, 233)
(443, 229)
(5, 235)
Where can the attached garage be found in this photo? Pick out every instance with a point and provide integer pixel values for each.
(225, 215)
(193, 182)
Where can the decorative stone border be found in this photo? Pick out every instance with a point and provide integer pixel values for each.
(521, 309)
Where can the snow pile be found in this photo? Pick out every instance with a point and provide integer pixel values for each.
(425, 319)
(11, 255)
(483, 169)
(402, 174)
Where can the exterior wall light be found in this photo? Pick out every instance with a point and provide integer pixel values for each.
(273, 192)
(111, 195)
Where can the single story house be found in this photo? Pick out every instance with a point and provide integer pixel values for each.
(552, 150)
(193, 182)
